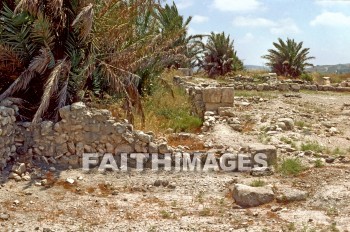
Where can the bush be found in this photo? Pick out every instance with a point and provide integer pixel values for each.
(168, 107)
(291, 166)
(306, 77)
(257, 183)
(312, 146)
(318, 163)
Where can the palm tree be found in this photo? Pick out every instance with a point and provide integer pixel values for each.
(220, 56)
(288, 58)
(45, 43)
(172, 24)
(61, 51)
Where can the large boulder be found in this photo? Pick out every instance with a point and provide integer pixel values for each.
(247, 196)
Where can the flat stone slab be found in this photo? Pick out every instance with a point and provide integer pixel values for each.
(287, 194)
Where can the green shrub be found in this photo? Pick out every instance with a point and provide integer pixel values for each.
(257, 183)
(337, 151)
(306, 77)
(169, 107)
(291, 166)
(165, 215)
(318, 163)
(312, 146)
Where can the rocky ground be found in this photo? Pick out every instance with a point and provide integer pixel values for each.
(312, 127)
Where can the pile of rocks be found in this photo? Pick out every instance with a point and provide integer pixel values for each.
(282, 124)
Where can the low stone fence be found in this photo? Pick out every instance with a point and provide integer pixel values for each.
(295, 87)
(187, 82)
(81, 130)
(7, 134)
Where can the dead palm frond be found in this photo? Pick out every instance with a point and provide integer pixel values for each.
(31, 6)
(8, 58)
(61, 70)
(84, 20)
(37, 66)
(56, 7)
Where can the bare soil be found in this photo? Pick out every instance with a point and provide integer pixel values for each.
(201, 201)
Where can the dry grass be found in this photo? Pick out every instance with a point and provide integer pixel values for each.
(168, 107)
(192, 143)
(334, 78)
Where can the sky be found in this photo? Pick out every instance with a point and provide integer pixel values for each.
(322, 25)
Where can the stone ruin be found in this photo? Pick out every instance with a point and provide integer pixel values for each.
(267, 82)
(81, 130)
(210, 99)
(7, 135)
(86, 130)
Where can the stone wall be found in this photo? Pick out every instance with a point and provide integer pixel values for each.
(7, 133)
(81, 130)
(210, 99)
(271, 84)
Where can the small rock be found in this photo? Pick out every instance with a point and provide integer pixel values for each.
(157, 183)
(330, 160)
(70, 180)
(4, 216)
(47, 230)
(43, 182)
(165, 183)
(276, 208)
(333, 130)
(288, 122)
(26, 178)
(19, 168)
(261, 171)
(114, 193)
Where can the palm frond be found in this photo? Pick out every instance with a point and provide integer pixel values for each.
(9, 58)
(38, 65)
(56, 7)
(84, 19)
(61, 70)
(30, 6)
